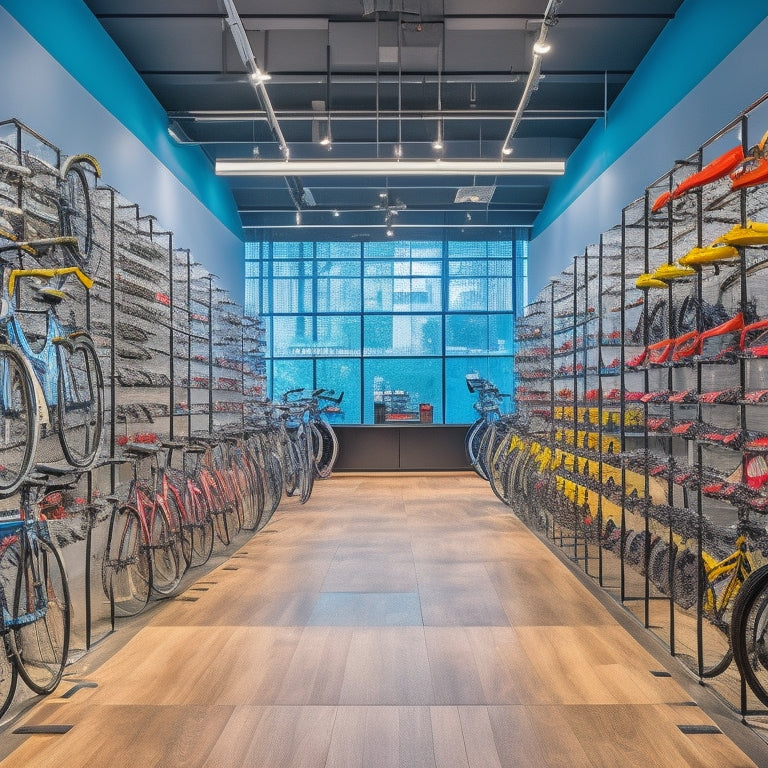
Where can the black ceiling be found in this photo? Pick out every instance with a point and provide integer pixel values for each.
(465, 62)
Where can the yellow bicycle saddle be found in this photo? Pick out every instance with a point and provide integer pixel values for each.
(673, 272)
(755, 233)
(708, 255)
(647, 280)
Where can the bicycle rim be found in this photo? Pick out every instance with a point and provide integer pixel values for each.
(18, 419)
(40, 641)
(126, 567)
(81, 404)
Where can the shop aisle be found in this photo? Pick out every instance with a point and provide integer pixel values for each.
(394, 620)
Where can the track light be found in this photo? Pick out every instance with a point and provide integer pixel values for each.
(257, 76)
(438, 142)
(390, 231)
(398, 150)
(506, 150)
(541, 47)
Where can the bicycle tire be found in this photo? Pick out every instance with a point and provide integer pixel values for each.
(719, 621)
(272, 482)
(80, 400)
(181, 526)
(8, 671)
(472, 442)
(76, 217)
(749, 632)
(291, 466)
(254, 507)
(233, 514)
(19, 427)
(40, 645)
(126, 570)
(165, 548)
(307, 469)
(202, 532)
(216, 506)
(326, 448)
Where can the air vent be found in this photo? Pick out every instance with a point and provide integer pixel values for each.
(474, 194)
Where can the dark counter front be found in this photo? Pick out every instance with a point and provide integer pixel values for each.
(404, 447)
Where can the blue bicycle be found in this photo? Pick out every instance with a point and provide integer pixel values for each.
(34, 600)
(50, 380)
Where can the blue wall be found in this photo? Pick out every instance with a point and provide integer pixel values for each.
(67, 80)
(708, 64)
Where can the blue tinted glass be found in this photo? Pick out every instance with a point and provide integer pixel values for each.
(290, 374)
(401, 386)
(402, 312)
(342, 375)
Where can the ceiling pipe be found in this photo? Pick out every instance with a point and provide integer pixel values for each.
(257, 78)
(540, 47)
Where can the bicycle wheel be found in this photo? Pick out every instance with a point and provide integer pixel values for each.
(40, 637)
(271, 476)
(718, 658)
(202, 526)
(8, 673)
(126, 569)
(472, 442)
(306, 464)
(165, 548)
(18, 419)
(252, 498)
(180, 525)
(749, 632)
(76, 219)
(81, 400)
(325, 448)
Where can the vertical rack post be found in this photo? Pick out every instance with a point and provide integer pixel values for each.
(210, 354)
(599, 335)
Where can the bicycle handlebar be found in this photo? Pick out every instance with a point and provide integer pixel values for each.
(48, 273)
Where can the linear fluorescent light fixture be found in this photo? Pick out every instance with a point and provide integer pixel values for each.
(256, 167)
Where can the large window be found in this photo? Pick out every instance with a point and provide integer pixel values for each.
(394, 325)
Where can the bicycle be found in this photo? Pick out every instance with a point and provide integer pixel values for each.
(722, 581)
(296, 449)
(143, 551)
(40, 200)
(34, 600)
(325, 444)
(51, 381)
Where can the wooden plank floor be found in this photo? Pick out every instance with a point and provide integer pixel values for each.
(403, 620)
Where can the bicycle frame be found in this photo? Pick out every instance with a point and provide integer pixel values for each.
(735, 569)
